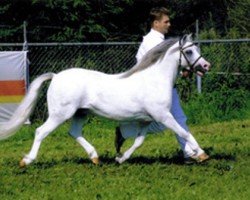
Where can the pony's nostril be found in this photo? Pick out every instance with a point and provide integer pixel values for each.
(206, 66)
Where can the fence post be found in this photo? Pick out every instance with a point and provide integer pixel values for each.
(198, 78)
(25, 48)
(25, 43)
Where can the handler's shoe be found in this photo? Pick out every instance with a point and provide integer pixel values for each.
(196, 159)
(119, 140)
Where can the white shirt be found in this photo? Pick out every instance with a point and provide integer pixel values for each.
(152, 39)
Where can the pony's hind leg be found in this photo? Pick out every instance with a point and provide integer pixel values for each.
(40, 134)
(76, 132)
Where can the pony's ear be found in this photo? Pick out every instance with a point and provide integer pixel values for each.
(190, 37)
(186, 38)
(183, 40)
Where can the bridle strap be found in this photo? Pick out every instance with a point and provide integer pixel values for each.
(191, 66)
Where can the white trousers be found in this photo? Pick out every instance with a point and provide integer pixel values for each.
(132, 129)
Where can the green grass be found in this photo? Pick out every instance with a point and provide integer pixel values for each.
(155, 171)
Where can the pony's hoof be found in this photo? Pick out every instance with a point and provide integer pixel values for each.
(95, 161)
(119, 160)
(197, 159)
(202, 158)
(22, 163)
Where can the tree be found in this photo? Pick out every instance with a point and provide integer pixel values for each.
(124, 20)
(238, 16)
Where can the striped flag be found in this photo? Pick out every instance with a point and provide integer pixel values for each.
(13, 74)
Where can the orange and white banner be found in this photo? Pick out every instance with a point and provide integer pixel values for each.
(13, 74)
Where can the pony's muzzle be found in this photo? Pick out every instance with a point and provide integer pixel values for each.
(206, 66)
(202, 69)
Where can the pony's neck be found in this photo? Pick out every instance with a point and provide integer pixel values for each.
(168, 68)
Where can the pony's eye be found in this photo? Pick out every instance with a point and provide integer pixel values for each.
(188, 52)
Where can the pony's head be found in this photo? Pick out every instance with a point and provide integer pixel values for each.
(190, 57)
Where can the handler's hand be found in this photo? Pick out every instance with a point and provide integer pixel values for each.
(186, 74)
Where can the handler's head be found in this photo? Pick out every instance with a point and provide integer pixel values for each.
(159, 19)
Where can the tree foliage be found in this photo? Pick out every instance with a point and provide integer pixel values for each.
(124, 20)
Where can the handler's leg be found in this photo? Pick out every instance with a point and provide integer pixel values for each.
(76, 132)
(181, 118)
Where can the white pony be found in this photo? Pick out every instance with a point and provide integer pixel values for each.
(143, 93)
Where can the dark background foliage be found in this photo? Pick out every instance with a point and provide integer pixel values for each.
(124, 20)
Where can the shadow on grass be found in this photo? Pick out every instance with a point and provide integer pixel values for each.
(109, 159)
(219, 156)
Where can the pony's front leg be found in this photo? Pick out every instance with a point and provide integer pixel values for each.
(138, 142)
(168, 120)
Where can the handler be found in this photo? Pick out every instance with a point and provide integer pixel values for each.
(160, 24)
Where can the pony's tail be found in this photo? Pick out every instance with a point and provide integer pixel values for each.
(25, 108)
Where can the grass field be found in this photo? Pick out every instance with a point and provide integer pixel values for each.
(155, 171)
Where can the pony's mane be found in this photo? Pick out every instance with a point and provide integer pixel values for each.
(151, 57)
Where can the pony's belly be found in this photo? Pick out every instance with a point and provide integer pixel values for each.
(122, 116)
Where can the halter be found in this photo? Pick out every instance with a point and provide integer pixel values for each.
(190, 66)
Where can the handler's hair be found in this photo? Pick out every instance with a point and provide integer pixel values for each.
(157, 13)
